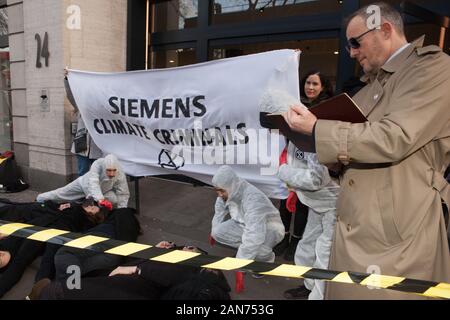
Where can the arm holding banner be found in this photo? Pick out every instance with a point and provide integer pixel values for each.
(69, 93)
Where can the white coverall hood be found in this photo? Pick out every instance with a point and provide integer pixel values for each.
(225, 178)
(111, 162)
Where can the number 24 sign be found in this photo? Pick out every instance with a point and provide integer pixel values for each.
(42, 50)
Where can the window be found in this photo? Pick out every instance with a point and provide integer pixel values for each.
(232, 11)
(316, 54)
(173, 58)
(175, 15)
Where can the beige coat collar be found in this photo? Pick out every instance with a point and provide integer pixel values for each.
(393, 65)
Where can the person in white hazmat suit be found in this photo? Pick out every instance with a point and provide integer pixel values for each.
(254, 226)
(314, 187)
(105, 182)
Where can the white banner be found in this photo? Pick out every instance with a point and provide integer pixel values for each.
(192, 119)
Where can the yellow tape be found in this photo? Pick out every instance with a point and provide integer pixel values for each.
(13, 227)
(175, 256)
(228, 264)
(128, 248)
(288, 270)
(380, 281)
(85, 241)
(46, 234)
(343, 277)
(441, 290)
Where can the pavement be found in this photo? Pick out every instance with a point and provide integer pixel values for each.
(177, 212)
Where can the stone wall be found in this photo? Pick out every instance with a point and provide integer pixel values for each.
(82, 34)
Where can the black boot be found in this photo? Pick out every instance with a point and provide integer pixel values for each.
(279, 248)
(297, 293)
(290, 251)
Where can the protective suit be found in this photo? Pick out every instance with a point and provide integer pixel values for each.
(95, 184)
(254, 227)
(316, 189)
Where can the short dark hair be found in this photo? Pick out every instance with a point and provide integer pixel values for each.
(327, 91)
(387, 11)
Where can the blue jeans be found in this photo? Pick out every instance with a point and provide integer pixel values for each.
(84, 164)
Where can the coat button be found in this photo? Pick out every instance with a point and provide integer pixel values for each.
(351, 182)
(349, 227)
(375, 97)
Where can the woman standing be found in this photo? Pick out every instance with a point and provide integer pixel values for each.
(314, 88)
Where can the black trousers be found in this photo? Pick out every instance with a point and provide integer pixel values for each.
(300, 218)
(23, 252)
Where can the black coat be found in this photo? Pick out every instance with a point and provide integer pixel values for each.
(47, 215)
(158, 280)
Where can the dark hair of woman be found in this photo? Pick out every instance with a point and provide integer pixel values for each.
(89, 201)
(327, 91)
(100, 216)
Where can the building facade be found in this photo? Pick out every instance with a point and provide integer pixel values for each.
(39, 38)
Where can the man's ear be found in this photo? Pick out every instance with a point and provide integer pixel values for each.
(386, 29)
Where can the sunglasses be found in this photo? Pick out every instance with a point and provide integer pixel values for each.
(353, 43)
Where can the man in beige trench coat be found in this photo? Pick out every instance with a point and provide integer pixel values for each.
(389, 213)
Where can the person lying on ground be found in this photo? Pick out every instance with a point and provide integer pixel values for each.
(22, 252)
(146, 279)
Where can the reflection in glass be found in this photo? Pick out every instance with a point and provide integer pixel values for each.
(320, 54)
(232, 11)
(173, 58)
(176, 15)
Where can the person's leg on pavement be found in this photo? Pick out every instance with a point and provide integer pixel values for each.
(9, 246)
(86, 260)
(305, 254)
(286, 218)
(47, 267)
(64, 258)
(83, 165)
(323, 249)
(228, 233)
(300, 220)
(27, 252)
(274, 234)
(100, 261)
